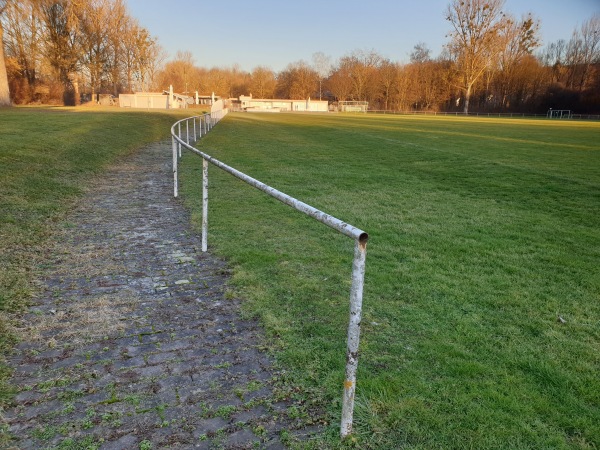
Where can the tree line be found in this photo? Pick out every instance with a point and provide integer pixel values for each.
(58, 51)
(491, 62)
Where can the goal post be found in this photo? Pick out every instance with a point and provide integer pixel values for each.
(559, 114)
(353, 106)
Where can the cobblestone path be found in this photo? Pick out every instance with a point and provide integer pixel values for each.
(135, 342)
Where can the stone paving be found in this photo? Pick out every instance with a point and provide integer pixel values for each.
(136, 342)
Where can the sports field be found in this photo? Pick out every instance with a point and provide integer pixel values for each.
(481, 319)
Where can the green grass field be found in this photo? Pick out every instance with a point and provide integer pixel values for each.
(46, 158)
(483, 232)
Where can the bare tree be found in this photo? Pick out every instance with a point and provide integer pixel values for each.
(340, 83)
(22, 39)
(419, 66)
(554, 56)
(526, 81)
(146, 51)
(520, 39)
(427, 85)
(388, 75)
(475, 39)
(141, 56)
(119, 24)
(226, 82)
(305, 81)
(420, 53)
(263, 82)
(96, 16)
(590, 35)
(239, 81)
(217, 81)
(362, 67)
(154, 58)
(4, 90)
(404, 85)
(298, 80)
(56, 47)
(583, 51)
(183, 75)
(129, 42)
(63, 43)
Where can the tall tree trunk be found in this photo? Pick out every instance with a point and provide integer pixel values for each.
(77, 97)
(467, 98)
(4, 91)
(93, 87)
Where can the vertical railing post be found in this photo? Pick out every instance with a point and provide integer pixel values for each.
(204, 205)
(174, 146)
(356, 293)
(179, 134)
(194, 121)
(187, 131)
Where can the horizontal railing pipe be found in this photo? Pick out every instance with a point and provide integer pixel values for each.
(336, 224)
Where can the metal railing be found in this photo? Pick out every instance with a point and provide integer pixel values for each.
(206, 123)
(475, 114)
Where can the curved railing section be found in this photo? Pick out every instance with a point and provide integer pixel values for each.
(193, 128)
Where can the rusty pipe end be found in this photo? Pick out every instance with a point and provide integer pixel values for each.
(363, 238)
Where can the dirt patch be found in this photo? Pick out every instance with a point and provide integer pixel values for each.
(81, 321)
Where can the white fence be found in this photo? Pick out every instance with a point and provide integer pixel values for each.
(476, 114)
(205, 123)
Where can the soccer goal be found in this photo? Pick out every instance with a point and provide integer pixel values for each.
(353, 106)
(559, 114)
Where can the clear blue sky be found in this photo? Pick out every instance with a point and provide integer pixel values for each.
(275, 33)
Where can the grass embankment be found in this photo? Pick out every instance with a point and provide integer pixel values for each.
(46, 156)
(481, 324)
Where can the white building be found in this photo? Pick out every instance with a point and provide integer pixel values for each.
(275, 105)
(155, 100)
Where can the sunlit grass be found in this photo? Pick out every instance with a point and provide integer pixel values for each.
(483, 232)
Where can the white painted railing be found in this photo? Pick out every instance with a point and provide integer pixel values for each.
(205, 123)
